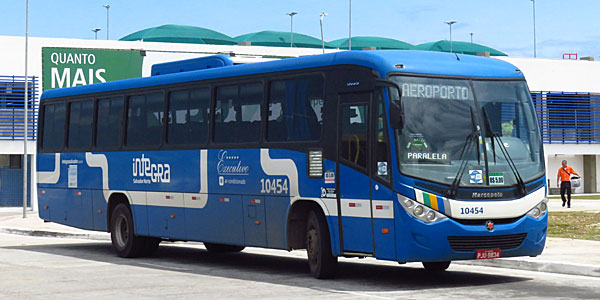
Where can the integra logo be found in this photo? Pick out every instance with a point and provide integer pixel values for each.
(147, 172)
(487, 195)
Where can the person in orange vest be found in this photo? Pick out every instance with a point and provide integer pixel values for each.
(564, 182)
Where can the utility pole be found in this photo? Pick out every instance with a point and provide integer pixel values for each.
(323, 15)
(350, 25)
(107, 9)
(25, 114)
(292, 14)
(534, 42)
(450, 24)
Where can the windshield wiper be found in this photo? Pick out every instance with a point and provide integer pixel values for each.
(473, 137)
(511, 163)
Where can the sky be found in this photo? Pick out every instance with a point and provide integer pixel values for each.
(561, 26)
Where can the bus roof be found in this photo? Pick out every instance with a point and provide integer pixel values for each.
(382, 61)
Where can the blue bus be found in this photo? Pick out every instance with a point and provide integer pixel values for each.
(408, 156)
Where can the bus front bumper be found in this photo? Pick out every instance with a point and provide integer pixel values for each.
(448, 239)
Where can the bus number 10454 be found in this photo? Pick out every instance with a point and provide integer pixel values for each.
(274, 186)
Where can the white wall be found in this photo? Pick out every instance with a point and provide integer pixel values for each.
(558, 74)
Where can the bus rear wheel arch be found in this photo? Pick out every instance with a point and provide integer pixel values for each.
(123, 237)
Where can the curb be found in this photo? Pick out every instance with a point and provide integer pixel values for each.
(56, 234)
(538, 266)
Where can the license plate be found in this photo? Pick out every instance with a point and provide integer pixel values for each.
(488, 254)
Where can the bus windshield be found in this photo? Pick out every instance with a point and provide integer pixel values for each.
(449, 122)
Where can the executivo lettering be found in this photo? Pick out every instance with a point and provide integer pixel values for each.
(146, 172)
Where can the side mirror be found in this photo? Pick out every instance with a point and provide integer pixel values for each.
(396, 111)
(396, 115)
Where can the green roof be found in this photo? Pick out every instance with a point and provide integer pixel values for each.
(180, 34)
(459, 47)
(280, 39)
(361, 42)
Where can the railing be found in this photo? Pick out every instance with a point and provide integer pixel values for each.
(12, 112)
(568, 118)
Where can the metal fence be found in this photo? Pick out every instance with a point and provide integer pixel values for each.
(568, 118)
(12, 112)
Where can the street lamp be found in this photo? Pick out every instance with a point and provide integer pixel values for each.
(107, 8)
(323, 15)
(95, 30)
(25, 114)
(292, 14)
(450, 24)
(349, 24)
(534, 43)
(471, 38)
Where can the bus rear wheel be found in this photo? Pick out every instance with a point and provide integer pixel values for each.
(222, 248)
(436, 266)
(321, 261)
(125, 242)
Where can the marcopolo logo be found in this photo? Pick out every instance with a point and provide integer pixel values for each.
(146, 172)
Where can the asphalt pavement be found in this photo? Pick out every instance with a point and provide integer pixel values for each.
(43, 268)
(563, 256)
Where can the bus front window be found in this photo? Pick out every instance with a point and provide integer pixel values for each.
(445, 126)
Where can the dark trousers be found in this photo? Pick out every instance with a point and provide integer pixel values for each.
(565, 186)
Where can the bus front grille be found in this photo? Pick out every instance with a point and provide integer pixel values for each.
(472, 243)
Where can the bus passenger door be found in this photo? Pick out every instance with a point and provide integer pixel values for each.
(354, 194)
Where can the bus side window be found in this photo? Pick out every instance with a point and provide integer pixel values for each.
(382, 145)
(109, 122)
(188, 121)
(80, 124)
(238, 113)
(144, 120)
(53, 135)
(295, 109)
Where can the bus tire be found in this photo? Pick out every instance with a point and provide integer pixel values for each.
(125, 242)
(321, 261)
(436, 266)
(150, 246)
(222, 248)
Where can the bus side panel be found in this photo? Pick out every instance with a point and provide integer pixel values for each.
(220, 221)
(383, 221)
(56, 199)
(276, 215)
(165, 221)
(334, 231)
(99, 207)
(79, 209)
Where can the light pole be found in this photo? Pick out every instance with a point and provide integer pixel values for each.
(25, 114)
(292, 14)
(95, 30)
(534, 43)
(349, 24)
(323, 15)
(107, 9)
(450, 24)
(471, 38)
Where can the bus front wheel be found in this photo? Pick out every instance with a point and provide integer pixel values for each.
(122, 235)
(321, 261)
(436, 266)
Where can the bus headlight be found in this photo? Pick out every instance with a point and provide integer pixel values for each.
(420, 211)
(539, 210)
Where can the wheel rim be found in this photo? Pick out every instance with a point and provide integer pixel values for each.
(122, 231)
(312, 246)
